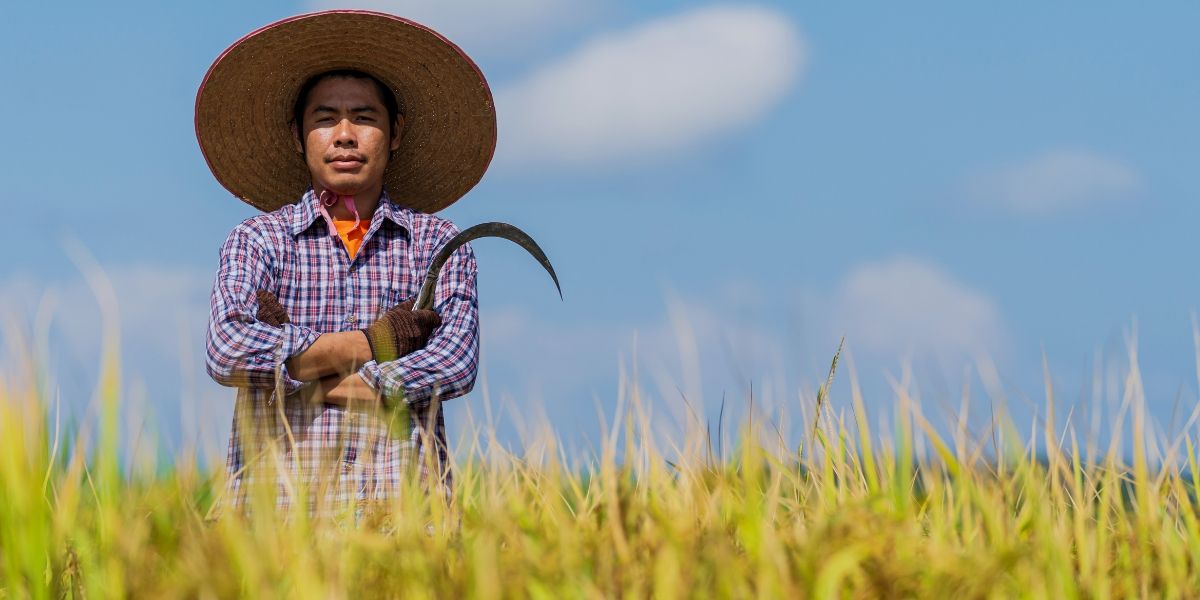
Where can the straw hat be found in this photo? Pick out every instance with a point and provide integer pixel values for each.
(245, 104)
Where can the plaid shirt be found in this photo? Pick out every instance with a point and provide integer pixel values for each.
(353, 455)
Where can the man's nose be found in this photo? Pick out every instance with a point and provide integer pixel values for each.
(344, 135)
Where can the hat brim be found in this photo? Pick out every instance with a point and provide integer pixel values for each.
(244, 107)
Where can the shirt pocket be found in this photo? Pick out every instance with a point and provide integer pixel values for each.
(392, 295)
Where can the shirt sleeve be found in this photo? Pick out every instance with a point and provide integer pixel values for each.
(242, 351)
(447, 365)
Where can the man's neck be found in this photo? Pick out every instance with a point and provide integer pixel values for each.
(366, 203)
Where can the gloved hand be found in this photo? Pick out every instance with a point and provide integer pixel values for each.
(270, 311)
(400, 330)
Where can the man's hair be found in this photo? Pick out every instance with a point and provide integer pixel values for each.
(385, 95)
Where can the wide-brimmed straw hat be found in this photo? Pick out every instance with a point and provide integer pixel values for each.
(245, 103)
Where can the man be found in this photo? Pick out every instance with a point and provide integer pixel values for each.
(349, 128)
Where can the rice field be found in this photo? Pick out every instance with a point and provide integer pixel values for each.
(852, 511)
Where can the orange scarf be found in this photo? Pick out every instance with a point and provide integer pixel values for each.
(351, 231)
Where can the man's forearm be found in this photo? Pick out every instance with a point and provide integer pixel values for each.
(342, 390)
(332, 353)
(347, 390)
(447, 365)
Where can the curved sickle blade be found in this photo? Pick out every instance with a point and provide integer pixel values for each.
(495, 229)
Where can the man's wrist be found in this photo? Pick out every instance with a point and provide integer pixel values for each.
(349, 352)
(357, 349)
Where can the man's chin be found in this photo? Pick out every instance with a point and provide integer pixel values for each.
(344, 186)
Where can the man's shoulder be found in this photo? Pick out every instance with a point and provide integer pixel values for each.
(266, 226)
(429, 226)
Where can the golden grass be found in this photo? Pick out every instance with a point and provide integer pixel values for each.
(851, 512)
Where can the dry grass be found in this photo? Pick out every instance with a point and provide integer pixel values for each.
(851, 512)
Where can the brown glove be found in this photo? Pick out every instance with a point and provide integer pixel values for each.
(400, 331)
(270, 311)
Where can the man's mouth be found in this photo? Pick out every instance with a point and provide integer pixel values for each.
(346, 162)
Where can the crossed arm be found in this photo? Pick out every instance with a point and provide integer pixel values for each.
(243, 351)
(333, 360)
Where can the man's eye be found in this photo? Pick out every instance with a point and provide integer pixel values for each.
(366, 119)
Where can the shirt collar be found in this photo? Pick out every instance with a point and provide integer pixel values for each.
(307, 212)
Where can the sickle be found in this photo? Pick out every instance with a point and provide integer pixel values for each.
(500, 230)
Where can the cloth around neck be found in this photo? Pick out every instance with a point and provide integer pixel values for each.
(352, 232)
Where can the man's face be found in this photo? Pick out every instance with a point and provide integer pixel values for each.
(346, 136)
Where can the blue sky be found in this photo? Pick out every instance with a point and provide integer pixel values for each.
(756, 179)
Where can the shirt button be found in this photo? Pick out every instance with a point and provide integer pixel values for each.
(351, 319)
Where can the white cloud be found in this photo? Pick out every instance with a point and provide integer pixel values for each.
(162, 314)
(1054, 182)
(654, 89)
(902, 305)
(157, 306)
(494, 27)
